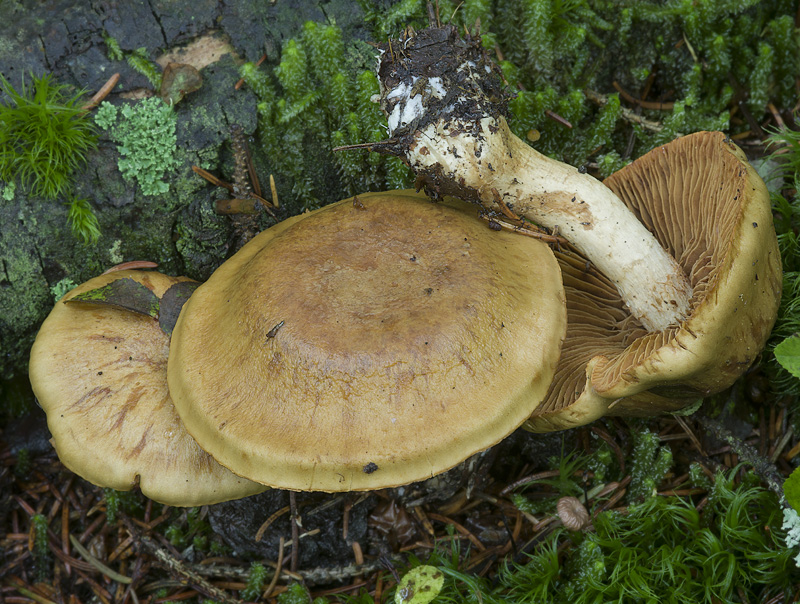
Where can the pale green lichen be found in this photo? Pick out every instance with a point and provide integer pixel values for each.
(145, 137)
(7, 190)
(114, 254)
(791, 524)
(62, 287)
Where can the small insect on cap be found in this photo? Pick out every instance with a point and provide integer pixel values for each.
(711, 211)
(375, 342)
(100, 374)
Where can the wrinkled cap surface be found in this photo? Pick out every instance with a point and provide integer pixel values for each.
(371, 343)
(709, 208)
(100, 374)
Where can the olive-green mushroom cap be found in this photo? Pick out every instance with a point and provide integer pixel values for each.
(375, 342)
(100, 374)
(709, 208)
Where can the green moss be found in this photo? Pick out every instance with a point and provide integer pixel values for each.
(41, 551)
(117, 501)
(114, 51)
(23, 465)
(785, 144)
(563, 485)
(139, 59)
(187, 527)
(295, 594)
(83, 221)
(701, 55)
(661, 550)
(650, 463)
(44, 136)
(256, 581)
(26, 300)
(317, 98)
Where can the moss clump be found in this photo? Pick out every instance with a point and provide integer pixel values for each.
(145, 137)
(256, 581)
(786, 209)
(83, 220)
(41, 551)
(662, 549)
(139, 59)
(699, 57)
(650, 464)
(44, 138)
(317, 98)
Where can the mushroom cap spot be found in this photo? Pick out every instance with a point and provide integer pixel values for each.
(411, 336)
(100, 374)
(701, 199)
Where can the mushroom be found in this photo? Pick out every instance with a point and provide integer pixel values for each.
(100, 374)
(709, 208)
(572, 513)
(671, 289)
(445, 104)
(372, 343)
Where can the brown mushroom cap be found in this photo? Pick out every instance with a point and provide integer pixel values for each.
(372, 343)
(100, 373)
(709, 208)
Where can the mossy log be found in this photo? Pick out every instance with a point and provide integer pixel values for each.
(40, 258)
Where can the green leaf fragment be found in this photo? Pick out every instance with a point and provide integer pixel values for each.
(791, 489)
(420, 585)
(787, 353)
(124, 294)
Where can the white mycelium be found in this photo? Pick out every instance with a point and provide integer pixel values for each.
(408, 107)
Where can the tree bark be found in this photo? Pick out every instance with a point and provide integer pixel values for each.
(39, 255)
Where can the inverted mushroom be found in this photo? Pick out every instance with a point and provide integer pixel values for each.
(372, 343)
(445, 103)
(672, 291)
(100, 374)
(709, 208)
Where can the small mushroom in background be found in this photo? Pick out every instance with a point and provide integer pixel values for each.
(100, 373)
(572, 513)
(674, 282)
(375, 342)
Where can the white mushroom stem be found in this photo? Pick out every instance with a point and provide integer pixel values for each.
(450, 137)
(576, 206)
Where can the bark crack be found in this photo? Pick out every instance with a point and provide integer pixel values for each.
(5, 271)
(157, 17)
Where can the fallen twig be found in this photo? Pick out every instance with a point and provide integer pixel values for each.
(627, 114)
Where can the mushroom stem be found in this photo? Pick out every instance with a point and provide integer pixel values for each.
(445, 104)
